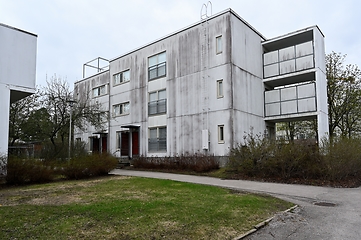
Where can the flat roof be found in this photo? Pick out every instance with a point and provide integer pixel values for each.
(292, 38)
(17, 29)
(229, 10)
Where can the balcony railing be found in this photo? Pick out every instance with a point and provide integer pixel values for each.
(157, 107)
(291, 100)
(157, 71)
(288, 60)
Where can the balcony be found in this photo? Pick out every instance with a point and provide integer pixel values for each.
(288, 102)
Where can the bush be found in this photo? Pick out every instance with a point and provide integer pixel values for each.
(342, 159)
(21, 171)
(197, 163)
(337, 161)
(89, 166)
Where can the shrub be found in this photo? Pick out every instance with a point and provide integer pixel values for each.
(21, 171)
(249, 158)
(89, 166)
(342, 158)
(338, 160)
(197, 163)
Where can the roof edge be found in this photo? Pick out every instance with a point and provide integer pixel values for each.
(229, 10)
(18, 29)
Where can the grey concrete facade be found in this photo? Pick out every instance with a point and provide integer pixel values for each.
(201, 89)
(17, 74)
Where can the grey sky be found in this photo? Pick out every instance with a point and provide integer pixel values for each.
(72, 32)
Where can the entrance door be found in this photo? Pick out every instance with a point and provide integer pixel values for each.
(95, 148)
(135, 143)
(104, 144)
(124, 150)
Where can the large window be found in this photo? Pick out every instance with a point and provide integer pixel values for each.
(121, 109)
(157, 141)
(219, 47)
(98, 91)
(157, 102)
(121, 77)
(157, 66)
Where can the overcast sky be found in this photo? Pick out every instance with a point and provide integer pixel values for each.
(72, 32)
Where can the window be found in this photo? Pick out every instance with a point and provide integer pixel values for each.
(118, 140)
(157, 66)
(219, 88)
(157, 102)
(220, 133)
(219, 44)
(98, 91)
(121, 77)
(121, 109)
(157, 141)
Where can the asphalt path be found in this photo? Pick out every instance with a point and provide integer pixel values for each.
(323, 212)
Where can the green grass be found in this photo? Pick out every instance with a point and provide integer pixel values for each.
(130, 208)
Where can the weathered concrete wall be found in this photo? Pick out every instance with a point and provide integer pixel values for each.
(83, 93)
(17, 58)
(17, 75)
(247, 84)
(193, 68)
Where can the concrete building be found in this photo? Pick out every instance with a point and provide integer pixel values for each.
(17, 74)
(202, 88)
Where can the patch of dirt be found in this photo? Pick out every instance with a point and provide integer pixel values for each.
(59, 194)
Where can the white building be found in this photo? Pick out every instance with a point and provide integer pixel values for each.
(17, 74)
(202, 88)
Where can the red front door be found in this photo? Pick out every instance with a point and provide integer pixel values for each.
(135, 143)
(104, 144)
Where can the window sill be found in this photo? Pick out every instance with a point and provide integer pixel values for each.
(118, 84)
(156, 114)
(121, 115)
(100, 95)
(149, 80)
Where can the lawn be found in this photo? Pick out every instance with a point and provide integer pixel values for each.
(118, 207)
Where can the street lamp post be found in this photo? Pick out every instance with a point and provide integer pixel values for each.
(71, 102)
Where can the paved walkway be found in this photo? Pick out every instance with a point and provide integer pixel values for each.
(324, 212)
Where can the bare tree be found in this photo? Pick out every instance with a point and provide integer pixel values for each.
(46, 115)
(344, 96)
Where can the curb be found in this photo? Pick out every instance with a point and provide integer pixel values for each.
(261, 225)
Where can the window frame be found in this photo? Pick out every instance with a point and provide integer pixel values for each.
(158, 102)
(158, 65)
(122, 106)
(220, 90)
(158, 140)
(121, 78)
(99, 92)
(221, 134)
(219, 44)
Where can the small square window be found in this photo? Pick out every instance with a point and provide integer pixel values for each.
(219, 88)
(99, 91)
(121, 109)
(121, 77)
(219, 47)
(220, 133)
